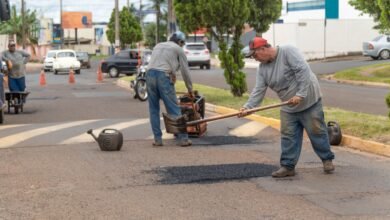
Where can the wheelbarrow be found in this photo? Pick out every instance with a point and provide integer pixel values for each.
(16, 100)
(182, 123)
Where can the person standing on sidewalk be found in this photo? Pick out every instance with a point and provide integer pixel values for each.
(167, 58)
(17, 68)
(285, 71)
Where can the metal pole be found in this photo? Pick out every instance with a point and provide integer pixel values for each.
(273, 32)
(23, 26)
(324, 38)
(169, 18)
(140, 13)
(61, 29)
(116, 25)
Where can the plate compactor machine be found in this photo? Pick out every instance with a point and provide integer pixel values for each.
(192, 109)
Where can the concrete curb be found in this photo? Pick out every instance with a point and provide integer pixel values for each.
(359, 83)
(347, 141)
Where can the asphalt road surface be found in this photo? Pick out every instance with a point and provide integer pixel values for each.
(51, 169)
(366, 99)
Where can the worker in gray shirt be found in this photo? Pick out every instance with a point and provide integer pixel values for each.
(167, 58)
(285, 71)
(16, 61)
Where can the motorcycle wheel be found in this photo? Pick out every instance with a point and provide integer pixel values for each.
(140, 90)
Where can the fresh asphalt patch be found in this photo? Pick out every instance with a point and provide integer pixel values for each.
(212, 141)
(212, 173)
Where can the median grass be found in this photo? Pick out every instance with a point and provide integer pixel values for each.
(373, 73)
(366, 126)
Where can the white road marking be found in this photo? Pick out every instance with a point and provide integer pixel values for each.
(119, 126)
(248, 129)
(4, 127)
(14, 139)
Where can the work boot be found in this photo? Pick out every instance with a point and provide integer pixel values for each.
(283, 172)
(184, 143)
(328, 166)
(157, 143)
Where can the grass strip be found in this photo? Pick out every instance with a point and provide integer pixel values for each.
(372, 73)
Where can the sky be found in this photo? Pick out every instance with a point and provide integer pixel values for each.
(101, 9)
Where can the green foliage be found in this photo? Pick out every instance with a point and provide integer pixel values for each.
(388, 102)
(263, 13)
(378, 9)
(14, 26)
(227, 17)
(384, 5)
(372, 73)
(130, 30)
(156, 5)
(150, 33)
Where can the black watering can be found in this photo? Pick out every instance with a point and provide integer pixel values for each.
(109, 139)
(334, 133)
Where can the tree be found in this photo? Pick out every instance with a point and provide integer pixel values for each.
(150, 33)
(378, 9)
(156, 5)
(130, 30)
(14, 26)
(224, 18)
(388, 102)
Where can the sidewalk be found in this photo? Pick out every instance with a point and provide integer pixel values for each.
(249, 63)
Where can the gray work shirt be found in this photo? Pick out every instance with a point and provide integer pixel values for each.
(170, 58)
(288, 75)
(19, 58)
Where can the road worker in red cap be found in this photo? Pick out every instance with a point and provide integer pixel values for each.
(285, 71)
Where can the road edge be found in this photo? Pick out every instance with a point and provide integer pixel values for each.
(347, 140)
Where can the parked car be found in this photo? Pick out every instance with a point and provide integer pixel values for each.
(48, 61)
(4, 68)
(197, 55)
(377, 48)
(125, 61)
(245, 50)
(64, 60)
(84, 58)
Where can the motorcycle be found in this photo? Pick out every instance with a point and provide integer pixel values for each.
(139, 83)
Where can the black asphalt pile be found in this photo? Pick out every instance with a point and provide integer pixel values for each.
(213, 173)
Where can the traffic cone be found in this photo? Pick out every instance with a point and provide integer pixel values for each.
(99, 73)
(42, 78)
(71, 76)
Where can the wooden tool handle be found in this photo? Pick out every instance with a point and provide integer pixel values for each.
(190, 123)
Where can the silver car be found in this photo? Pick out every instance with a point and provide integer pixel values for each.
(379, 47)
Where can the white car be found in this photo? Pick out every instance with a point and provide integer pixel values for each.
(48, 62)
(64, 60)
(197, 55)
(377, 48)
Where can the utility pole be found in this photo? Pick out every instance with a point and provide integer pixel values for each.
(140, 13)
(116, 25)
(61, 30)
(169, 18)
(23, 26)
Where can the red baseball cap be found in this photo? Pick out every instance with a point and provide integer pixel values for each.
(254, 44)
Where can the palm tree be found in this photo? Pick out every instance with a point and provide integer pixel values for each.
(14, 26)
(156, 5)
